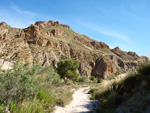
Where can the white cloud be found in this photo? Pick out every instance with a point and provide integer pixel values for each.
(148, 55)
(22, 12)
(16, 16)
(106, 32)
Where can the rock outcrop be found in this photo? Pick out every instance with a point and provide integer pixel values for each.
(99, 45)
(3, 34)
(132, 54)
(107, 66)
(49, 42)
(58, 32)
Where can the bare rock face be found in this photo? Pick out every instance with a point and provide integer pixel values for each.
(3, 34)
(46, 58)
(4, 24)
(105, 67)
(15, 49)
(132, 54)
(83, 41)
(43, 24)
(85, 69)
(117, 49)
(66, 26)
(99, 45)
(33, 31)
(58, 32)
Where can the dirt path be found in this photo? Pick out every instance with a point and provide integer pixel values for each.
(80, 103)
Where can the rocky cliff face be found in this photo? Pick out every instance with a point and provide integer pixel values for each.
(49, 42)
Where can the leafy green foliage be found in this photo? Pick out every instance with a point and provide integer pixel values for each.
(67, 69)
(2, 108)
(83, 79)
(35, 106)
(49, 76)
(31, 89)
(92, 78)
(18, 83)
(45, 97)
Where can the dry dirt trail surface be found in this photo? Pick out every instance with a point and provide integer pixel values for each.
(80, 103)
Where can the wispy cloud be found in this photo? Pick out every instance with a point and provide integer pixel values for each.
(22, 12)
(17, 16)
(148, 55)
(107, 32)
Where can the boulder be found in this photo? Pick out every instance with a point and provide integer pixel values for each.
(107, 66)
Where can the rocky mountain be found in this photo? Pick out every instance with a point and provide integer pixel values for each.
(49, 42)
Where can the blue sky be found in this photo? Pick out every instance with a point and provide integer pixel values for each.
(123, 23)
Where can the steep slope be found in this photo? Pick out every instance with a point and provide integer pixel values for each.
(49, 42)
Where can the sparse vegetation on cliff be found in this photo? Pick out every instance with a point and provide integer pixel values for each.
(124, 89)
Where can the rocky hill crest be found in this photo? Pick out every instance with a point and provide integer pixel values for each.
(49, 42)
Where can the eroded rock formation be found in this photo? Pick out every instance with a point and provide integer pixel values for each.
(49, 42)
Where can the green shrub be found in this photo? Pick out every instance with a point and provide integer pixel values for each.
(48, 75)
(83, 79)
(18, 83)
(144, 72)
(32, 89)
(34, 106)
(13, 107)
(130, 83)
(67, 69)
(2, 108)
(99, 80)
(63, 96)
(45, 97)
(92, 78)
(60, 102)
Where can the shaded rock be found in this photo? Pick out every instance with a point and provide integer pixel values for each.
(85, 69)
(46, 58)
(4, 24)
(66, 26)
(99, 45)
(105, 67)
(43, 24)
(3, 34)
(132, 54)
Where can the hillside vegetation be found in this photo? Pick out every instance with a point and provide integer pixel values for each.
(32, 89)
(130, 93)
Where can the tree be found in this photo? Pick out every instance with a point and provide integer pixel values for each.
(67, 69)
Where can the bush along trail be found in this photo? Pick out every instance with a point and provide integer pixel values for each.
(38, 89)
(81, 103)
(127, 94)
(32, 89)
